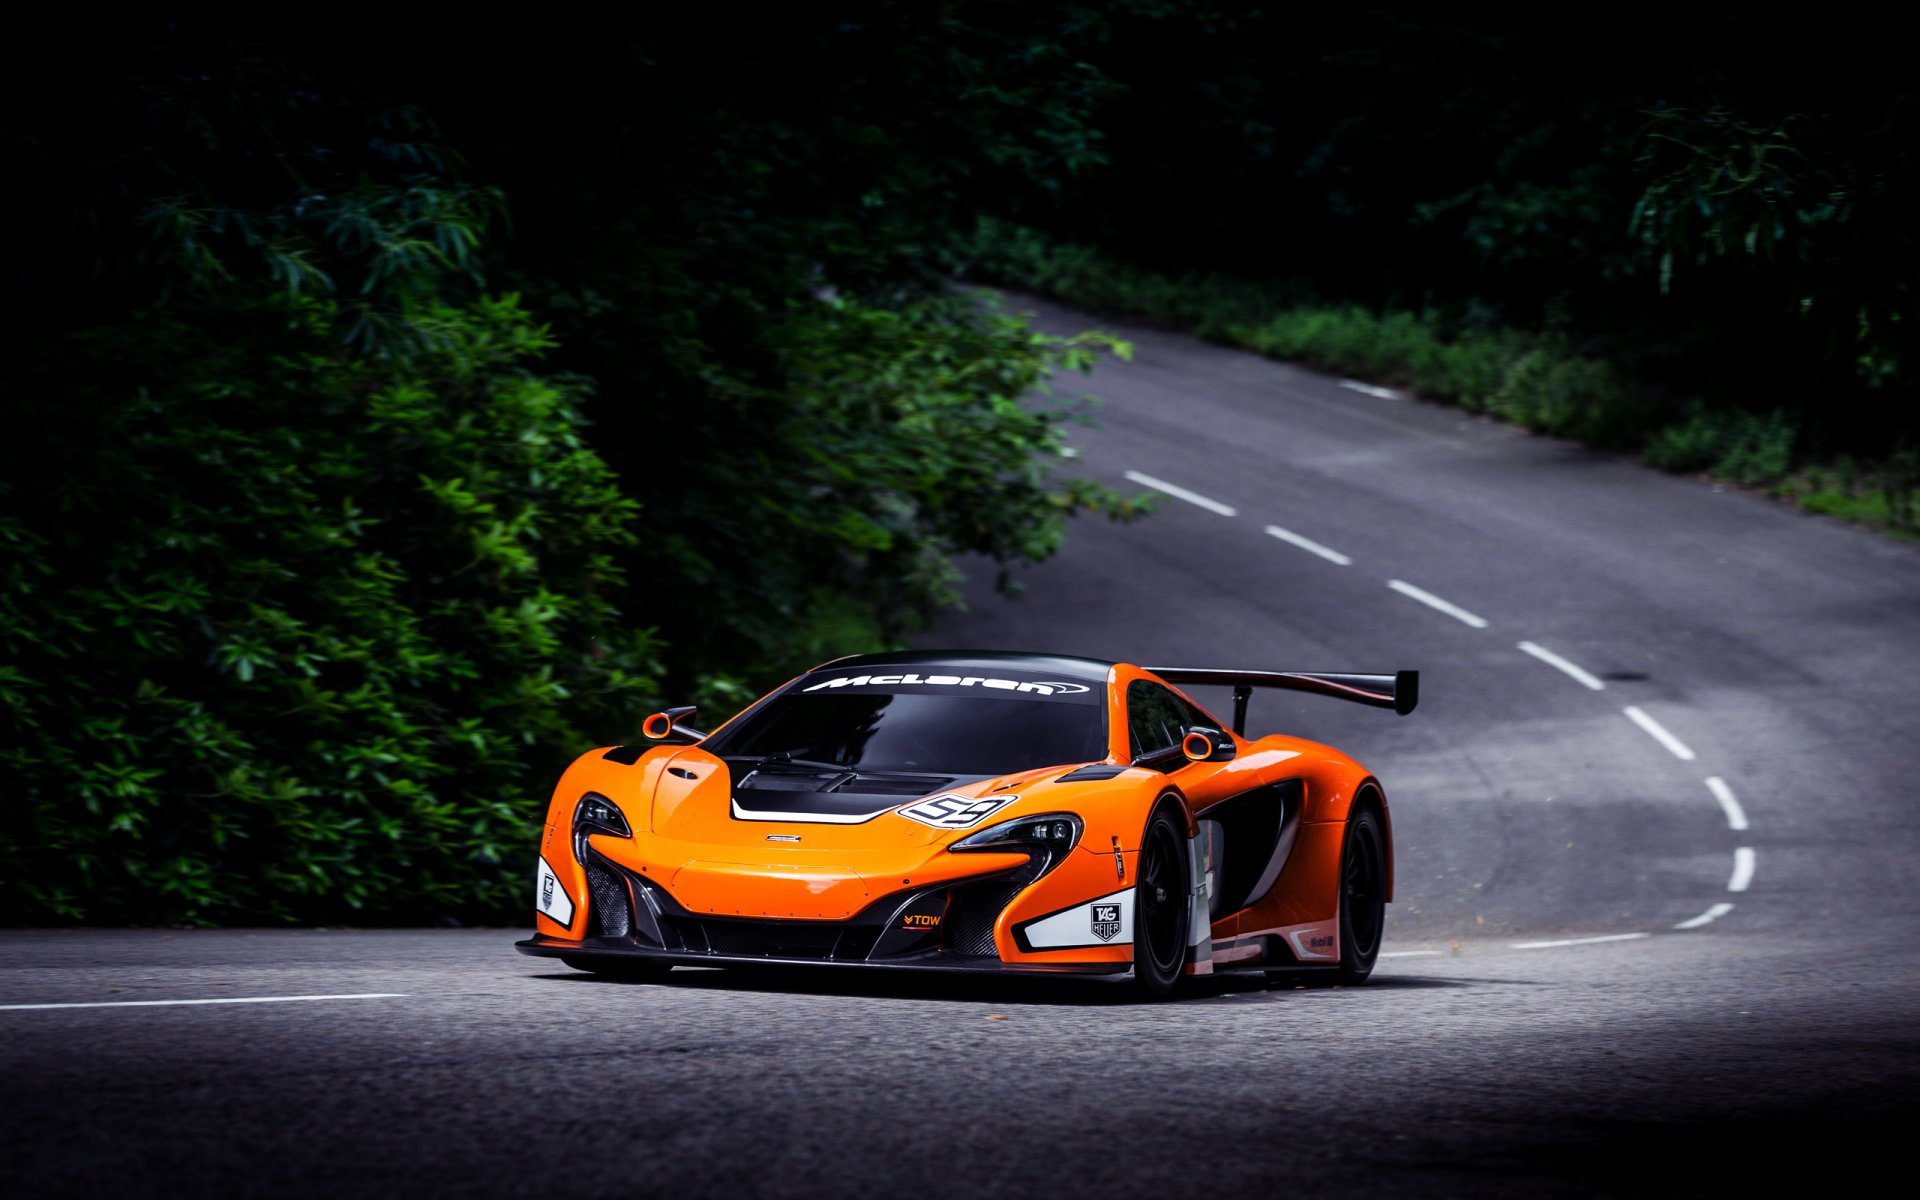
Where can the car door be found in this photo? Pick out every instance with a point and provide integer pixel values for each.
(1246, 823)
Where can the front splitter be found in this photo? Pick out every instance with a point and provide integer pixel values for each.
(542, 946)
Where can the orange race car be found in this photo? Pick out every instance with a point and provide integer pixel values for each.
(975, 811)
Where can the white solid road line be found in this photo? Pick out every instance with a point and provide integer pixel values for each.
(221, 1000)
(1585, 941)
(1406, 953)
(1309, 545)
(1655, 730)
(1180, 493)
(1713, 914)
(1356, 386)
(1432, 601)
(1736, 816)
(1742, 870)
(1578, 674)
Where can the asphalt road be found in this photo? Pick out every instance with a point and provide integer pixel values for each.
(1609, 976)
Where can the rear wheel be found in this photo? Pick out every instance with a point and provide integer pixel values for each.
(1363, 895)
(1162, 905)
(628, 970)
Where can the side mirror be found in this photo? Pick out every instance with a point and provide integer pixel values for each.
(1207, 745)
(665, 725)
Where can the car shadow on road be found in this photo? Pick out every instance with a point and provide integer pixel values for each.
(1079, 991)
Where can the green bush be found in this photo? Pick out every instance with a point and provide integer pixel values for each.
(295, 633)
(1553, 390)
(1744, 447)
(311, 580)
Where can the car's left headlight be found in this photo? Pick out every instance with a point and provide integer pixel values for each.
(1045, 839)
(596, 814)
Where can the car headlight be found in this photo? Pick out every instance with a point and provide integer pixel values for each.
(597, 814)
(1045, 840)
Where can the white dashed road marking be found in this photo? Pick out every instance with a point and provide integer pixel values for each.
(220, 1000)
(1354, 385)
(1434, 602)
(1578, 674)
(1743, 858)
(1585, 941)
(1309, 545)
(1742, 870)
(1180, 493)
(1713, 914)
(1736, 816)
(1658, 733)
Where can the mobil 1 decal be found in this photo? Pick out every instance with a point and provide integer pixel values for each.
(954, 812)
(1106, 921)
(1004, 685)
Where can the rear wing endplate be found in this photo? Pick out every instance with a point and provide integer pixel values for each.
(1399, 691)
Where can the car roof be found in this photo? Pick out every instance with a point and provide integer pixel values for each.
(1090, 670)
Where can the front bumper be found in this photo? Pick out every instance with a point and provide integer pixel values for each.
(947, 926)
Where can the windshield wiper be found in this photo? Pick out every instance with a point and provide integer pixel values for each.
(784, 758)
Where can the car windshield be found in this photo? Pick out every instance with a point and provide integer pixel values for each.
(949, 734)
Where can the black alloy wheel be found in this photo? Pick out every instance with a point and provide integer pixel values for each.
(1162, 906)
(1363, 895)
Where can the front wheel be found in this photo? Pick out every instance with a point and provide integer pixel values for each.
(1363, 896)
(1162, 904)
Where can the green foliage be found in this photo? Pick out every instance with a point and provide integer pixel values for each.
(292, 633)
(999, 251)
(898, 438)
(319, 562)
(1880, 494)
(1744, 447)
(1808, 206)
(902, 415)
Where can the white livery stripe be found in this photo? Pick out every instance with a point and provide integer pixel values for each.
(1578, 674)
(1180, 493)
(220, 1000)
(1107, 921)
(1658, 733)
(1434, 602)
(1742, 870)
(1309, 545)
(1713, 914)
(550, 895)
(1736, 816)
(1584, 941)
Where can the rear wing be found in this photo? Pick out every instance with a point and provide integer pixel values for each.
(1399, 691)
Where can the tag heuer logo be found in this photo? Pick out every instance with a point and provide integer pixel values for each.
(1106, 921)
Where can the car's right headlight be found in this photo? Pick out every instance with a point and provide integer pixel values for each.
(1045, 839)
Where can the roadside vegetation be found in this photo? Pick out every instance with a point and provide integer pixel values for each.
(1546, 382)
(380, 437)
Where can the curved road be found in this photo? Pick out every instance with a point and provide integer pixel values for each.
(1655, 932)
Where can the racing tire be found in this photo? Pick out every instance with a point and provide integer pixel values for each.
(1363, 896)
(627, 970)
(1162, 904)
